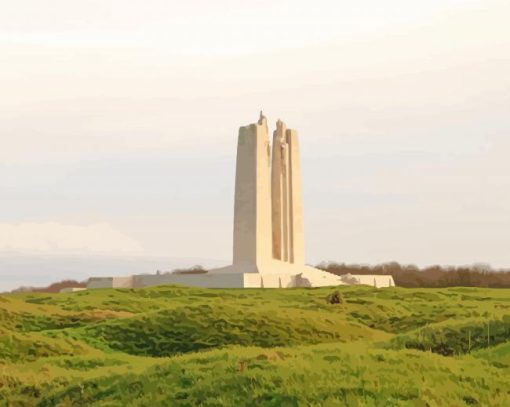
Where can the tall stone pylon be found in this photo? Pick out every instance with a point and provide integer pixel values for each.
(252, 205)
(279, 190)
(287, 208)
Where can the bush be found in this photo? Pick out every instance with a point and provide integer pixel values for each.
(459, 337)
(335, 298)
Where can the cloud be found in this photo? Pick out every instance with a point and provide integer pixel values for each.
(52, 237)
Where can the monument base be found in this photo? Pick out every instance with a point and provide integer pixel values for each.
(271, 274)
(276, 274)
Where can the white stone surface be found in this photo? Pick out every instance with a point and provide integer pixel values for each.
(287, 210)
(252, 206)
(110, 282)
(374, 280)
(72, 289)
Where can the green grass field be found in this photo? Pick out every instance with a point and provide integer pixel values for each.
(178, 346)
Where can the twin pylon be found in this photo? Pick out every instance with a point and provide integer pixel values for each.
(268, 213)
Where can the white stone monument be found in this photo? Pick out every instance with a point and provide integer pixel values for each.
(268, 224)
(268, 214)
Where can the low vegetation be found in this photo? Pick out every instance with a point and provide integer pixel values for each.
(178, 346)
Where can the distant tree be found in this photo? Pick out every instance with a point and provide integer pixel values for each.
(52, 288)
(191, 270)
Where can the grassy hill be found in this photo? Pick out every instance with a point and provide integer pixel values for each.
(179, 346)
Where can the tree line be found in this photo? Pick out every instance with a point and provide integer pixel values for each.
(479, 275)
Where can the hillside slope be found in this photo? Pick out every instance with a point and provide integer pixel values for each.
(188, 346)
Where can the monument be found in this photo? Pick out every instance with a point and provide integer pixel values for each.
(268, 248)
(268, 212)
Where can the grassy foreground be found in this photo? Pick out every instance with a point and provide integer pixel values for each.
(178, 346)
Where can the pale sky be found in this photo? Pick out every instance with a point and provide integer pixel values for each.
(118, 126)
